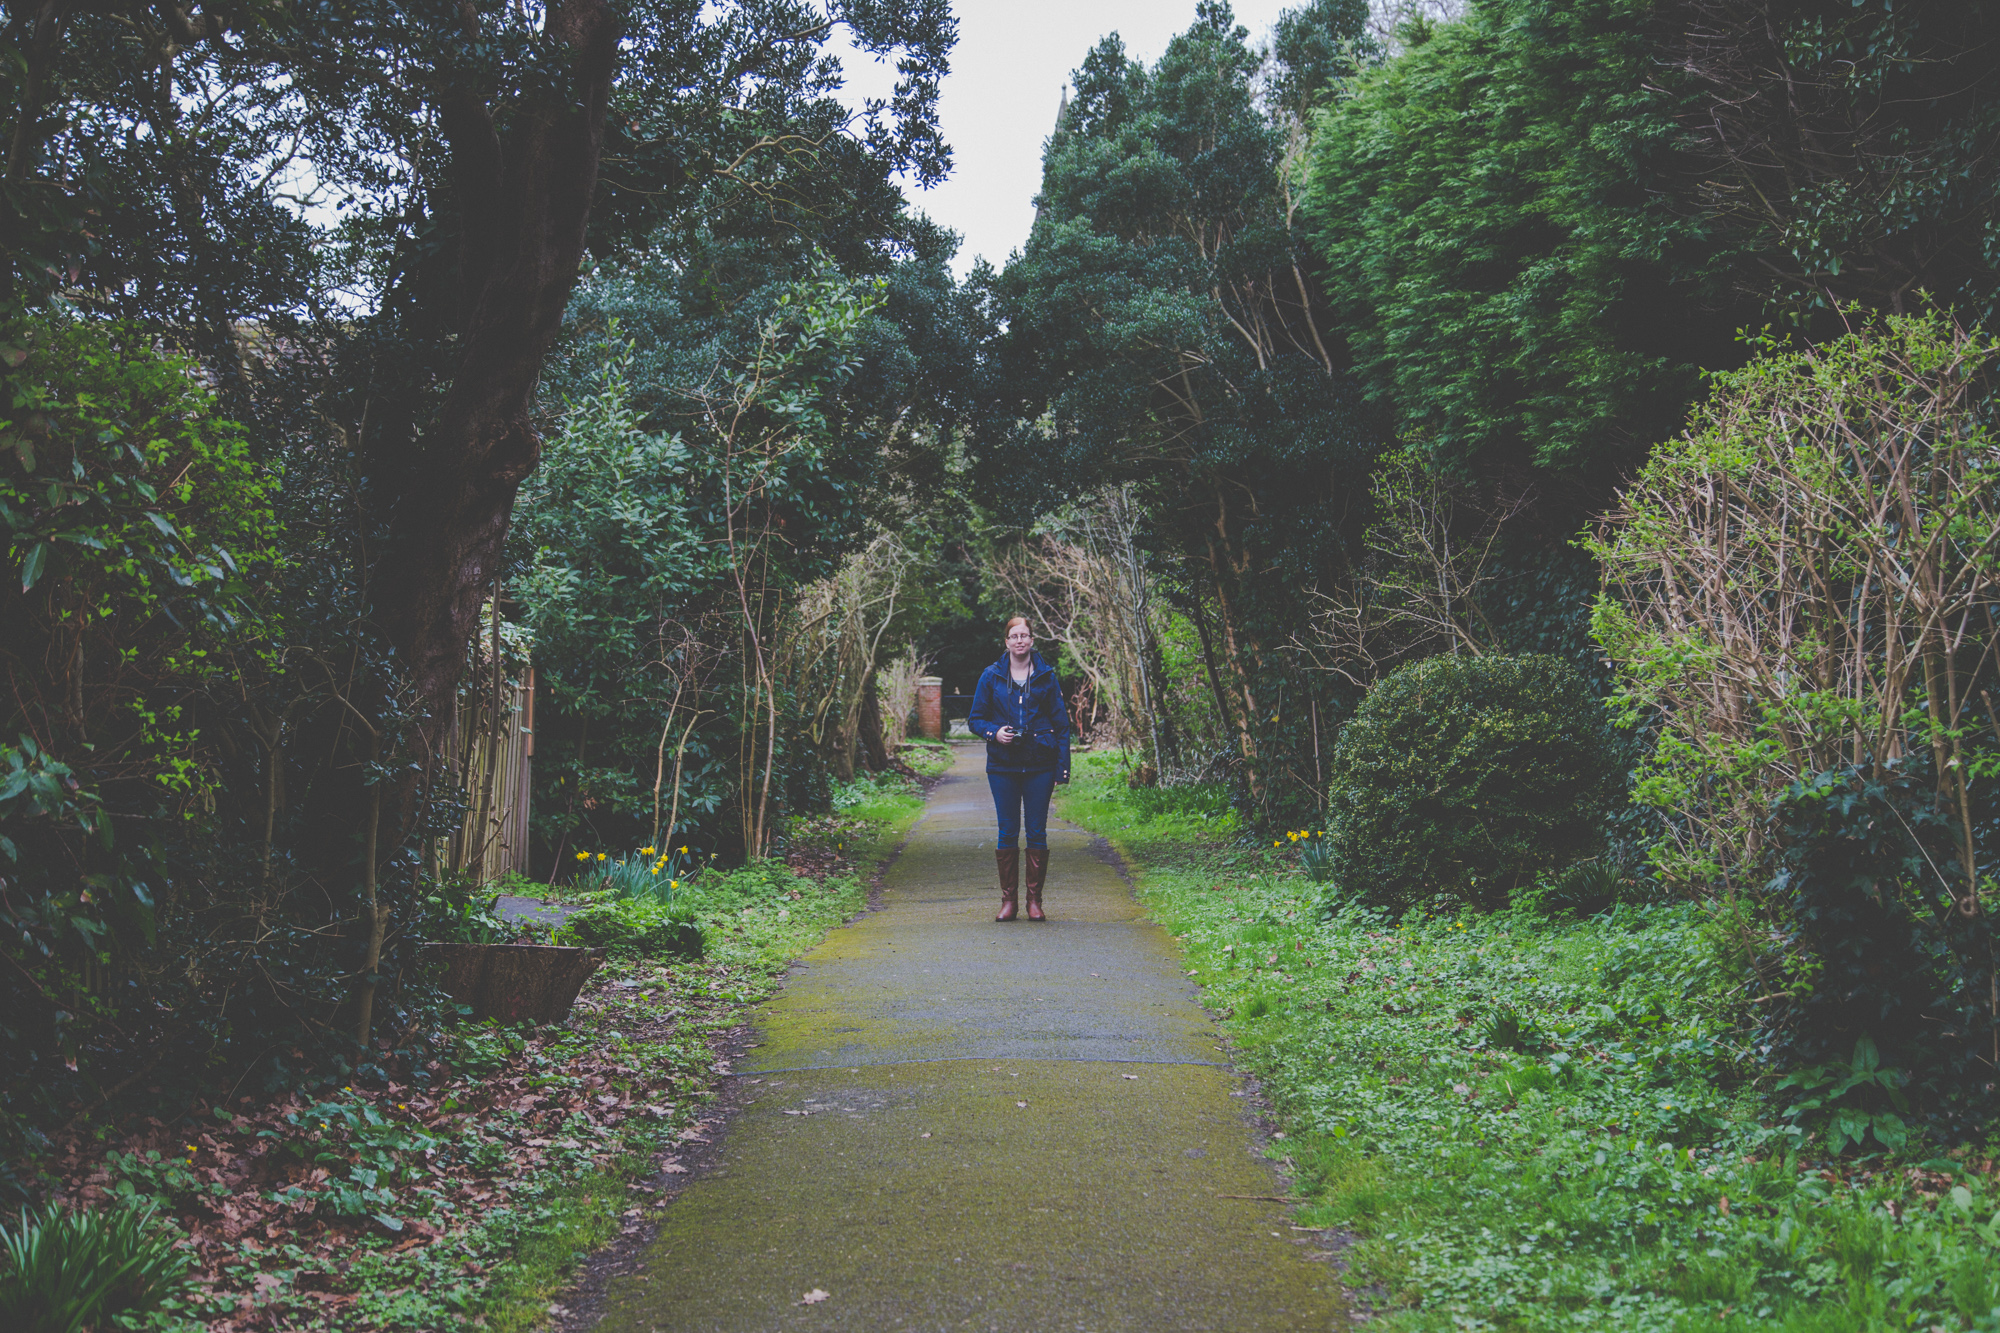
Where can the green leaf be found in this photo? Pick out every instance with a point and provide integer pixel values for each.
(1866, 1057)
(32, 564)
(1847, 1126)
(1890, 1131)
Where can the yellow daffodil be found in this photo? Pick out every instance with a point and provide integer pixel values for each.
(645, 851)
(683, 849)
(601, 856)
(673, 884)
(583, 856)
(656, 870)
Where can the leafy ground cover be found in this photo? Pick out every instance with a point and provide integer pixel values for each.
(467, 1197)
(928, 758)
(1535, 1122)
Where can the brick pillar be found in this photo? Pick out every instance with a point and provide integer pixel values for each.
(930, 708)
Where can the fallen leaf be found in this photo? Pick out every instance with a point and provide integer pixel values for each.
(1132, 1076)
(813, 1297)
(1022, 1105)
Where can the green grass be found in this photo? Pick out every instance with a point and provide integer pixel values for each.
(573, 1219)
(888, 801)
(1537, 1125)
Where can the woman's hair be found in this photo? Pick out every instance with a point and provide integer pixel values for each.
(1012, 621)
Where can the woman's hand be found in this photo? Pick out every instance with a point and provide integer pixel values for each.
(1006, 735)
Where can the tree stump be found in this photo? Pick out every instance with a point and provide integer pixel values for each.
(515, 983)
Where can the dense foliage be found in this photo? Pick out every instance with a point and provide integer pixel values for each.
(1873, 950)
(1461, 779)
(1585, 202)
(622, 545)
(137, 527)
(1808, 562)
(1494, 191)
(278, 287)
(1840, 148)
(660, 569)
(1160, 328)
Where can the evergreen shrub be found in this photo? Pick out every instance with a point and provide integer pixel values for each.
(1463, 778)
(1876, 976)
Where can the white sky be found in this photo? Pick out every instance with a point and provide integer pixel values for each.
(999, 102)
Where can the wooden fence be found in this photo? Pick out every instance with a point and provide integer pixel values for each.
(494, 838)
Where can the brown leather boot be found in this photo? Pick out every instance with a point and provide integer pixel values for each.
(1038, 872)
(1008, 859)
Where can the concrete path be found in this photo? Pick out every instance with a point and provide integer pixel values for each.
(954, 1124)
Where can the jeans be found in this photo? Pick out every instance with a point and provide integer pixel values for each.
(1014, 792)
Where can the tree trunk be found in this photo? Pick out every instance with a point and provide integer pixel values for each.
(378, 911)
(874, 750)
(1224, 718)
(1238, 669)
(523, 204)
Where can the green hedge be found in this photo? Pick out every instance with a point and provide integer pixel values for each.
(1462, 778)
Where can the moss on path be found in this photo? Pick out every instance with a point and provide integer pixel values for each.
(954, 1124)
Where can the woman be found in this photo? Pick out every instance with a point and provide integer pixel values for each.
(1018, 708)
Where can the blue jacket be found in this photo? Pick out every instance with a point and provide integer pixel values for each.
(1035, 711)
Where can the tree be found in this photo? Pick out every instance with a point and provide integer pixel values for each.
(1498, 248)
(465, 146)
(1806, 580)
(693, 308)
(1426, 582)
(1845, 148)
(1078, 577)
(172, 165)
(1161, 330)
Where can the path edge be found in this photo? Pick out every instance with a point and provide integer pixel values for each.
(584, 1299)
